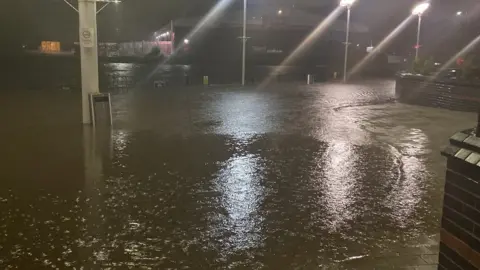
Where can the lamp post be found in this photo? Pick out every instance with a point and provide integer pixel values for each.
(418, 11)
(348, 4)
(87, 13)
(244, 40)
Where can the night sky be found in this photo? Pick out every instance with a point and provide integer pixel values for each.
(30, 21)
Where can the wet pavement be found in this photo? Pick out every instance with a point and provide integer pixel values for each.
(328, 176)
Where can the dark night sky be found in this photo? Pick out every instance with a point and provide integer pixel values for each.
(30, 21)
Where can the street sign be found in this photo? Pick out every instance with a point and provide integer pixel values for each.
(87, 37)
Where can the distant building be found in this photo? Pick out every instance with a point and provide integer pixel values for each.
(50, 47)
(272, 37)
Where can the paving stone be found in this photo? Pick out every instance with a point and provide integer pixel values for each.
(473, 158)
(459, 137)
(463, 153)
(473, 140)
(451, 150)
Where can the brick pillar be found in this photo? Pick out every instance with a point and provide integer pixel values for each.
(460, 231)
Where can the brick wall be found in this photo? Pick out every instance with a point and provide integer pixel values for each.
(449, 95)
(460, 230)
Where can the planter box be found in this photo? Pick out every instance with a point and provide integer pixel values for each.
(460, 230)
(453, 95)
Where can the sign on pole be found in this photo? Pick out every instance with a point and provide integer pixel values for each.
(87, 37)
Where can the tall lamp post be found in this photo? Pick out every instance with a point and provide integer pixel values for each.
(418, 11)
(87, 12)
(348, 4)
(244, 40)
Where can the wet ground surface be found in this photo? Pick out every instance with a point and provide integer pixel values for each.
(329, 176)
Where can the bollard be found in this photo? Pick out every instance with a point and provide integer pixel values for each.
(310, 79)
(205, 80)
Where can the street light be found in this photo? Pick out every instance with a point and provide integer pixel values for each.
(418, 11)
(348, 4)
(459, 13)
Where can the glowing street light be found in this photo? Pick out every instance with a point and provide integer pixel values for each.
(186, 41)
(420, 8)
(418, 11)
(459, 13)
(348, 4)
(280, 12)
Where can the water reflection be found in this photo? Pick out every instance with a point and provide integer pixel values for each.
(340, 181)
(92, 242)
(408, 190)
(281, 179)
(244, 114)
(239, 182)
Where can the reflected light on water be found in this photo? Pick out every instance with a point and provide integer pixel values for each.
(120, 139)
(239, 184)
(340, 181)
(94, 189)
(407, 190)
(121, 67)
(244, 115)
(306, 43)
(381, 46)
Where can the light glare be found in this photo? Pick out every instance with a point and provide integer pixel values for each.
(346, 3)
(420, 8)
(384, 43)
(305, 44)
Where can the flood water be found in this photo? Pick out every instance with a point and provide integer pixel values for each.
(328, 176)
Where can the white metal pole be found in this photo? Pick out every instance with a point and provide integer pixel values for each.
(87, 11)
(417, 46)
(244, 40)
(346, 45)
